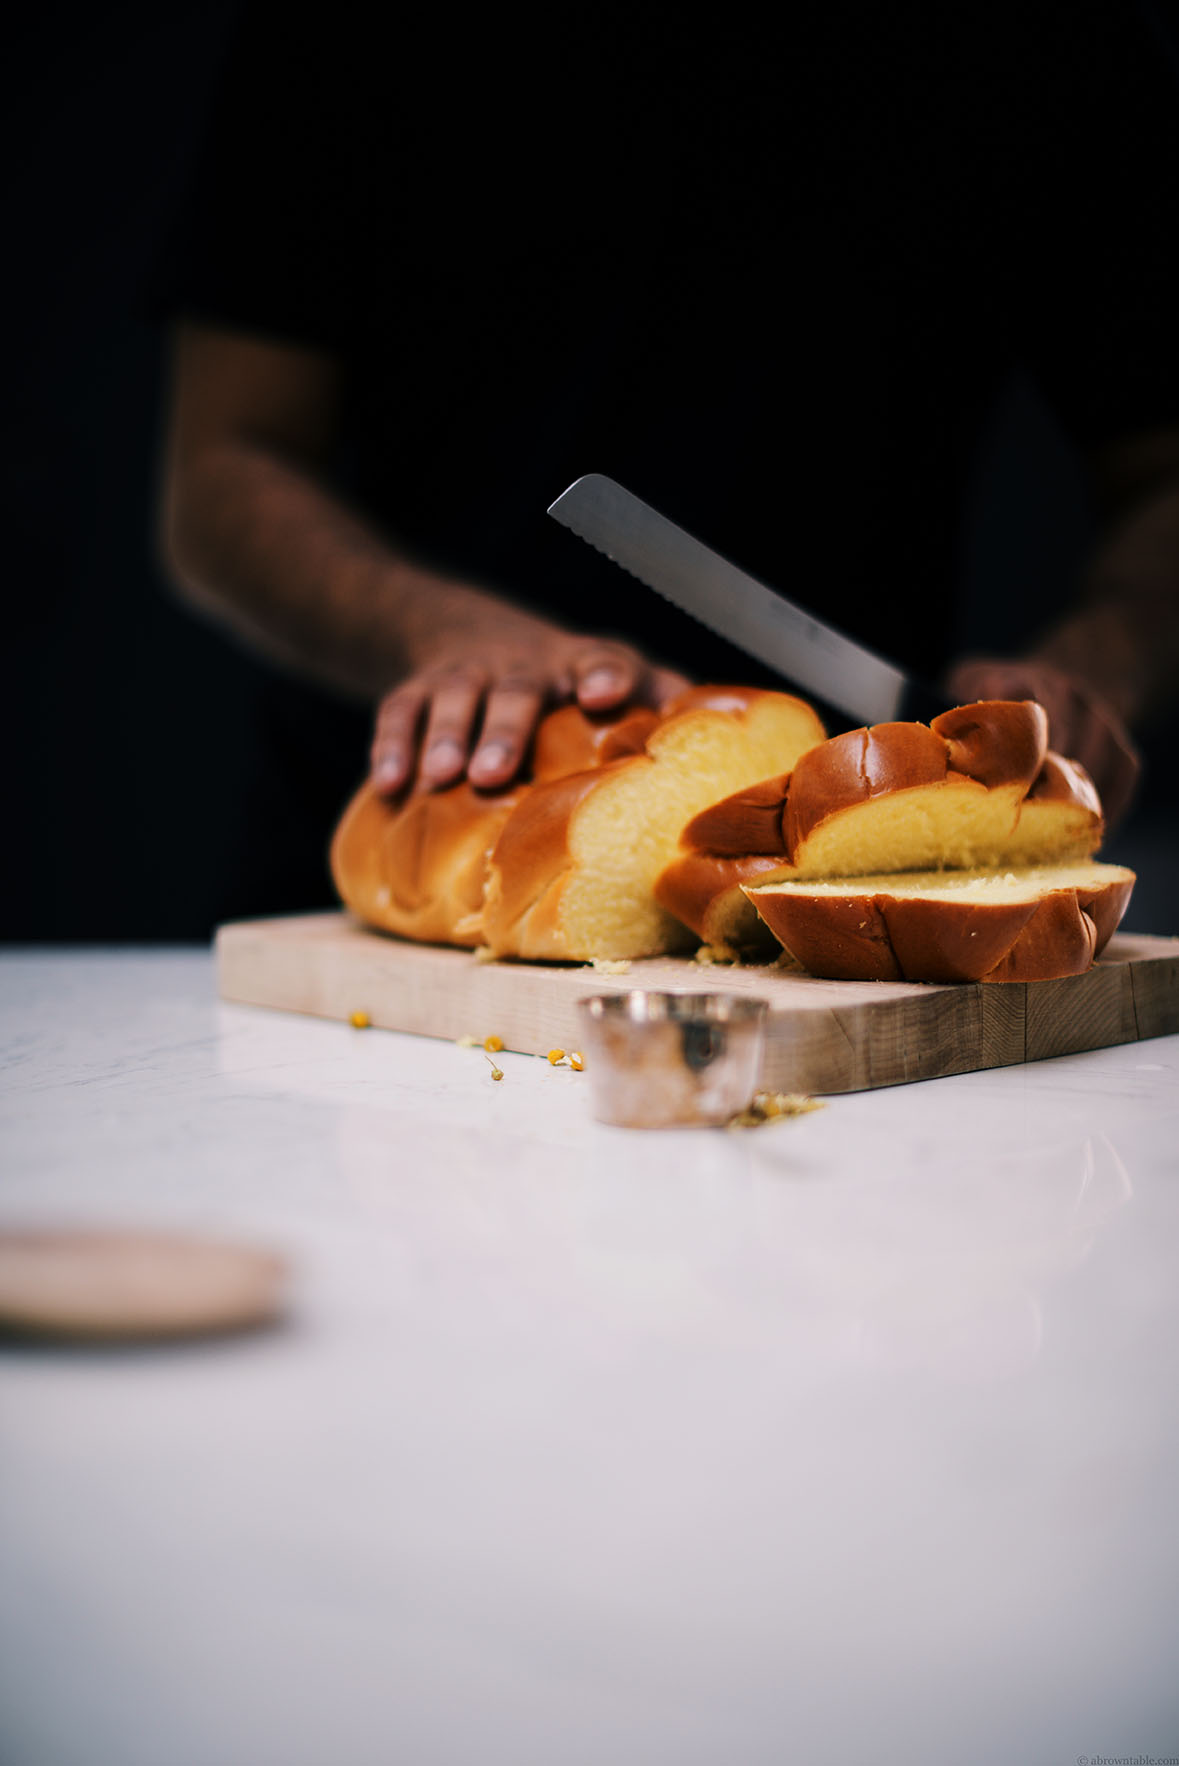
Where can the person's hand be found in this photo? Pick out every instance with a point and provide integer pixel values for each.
(1081, 724)
(474, 708)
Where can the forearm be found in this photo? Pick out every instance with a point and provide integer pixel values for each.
(1123, 637)
(1111, 665)
(254, 534)
(260, 544)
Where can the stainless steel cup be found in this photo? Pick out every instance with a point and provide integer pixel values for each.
(669, 1060)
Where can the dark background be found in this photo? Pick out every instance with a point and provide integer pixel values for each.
(147, 759)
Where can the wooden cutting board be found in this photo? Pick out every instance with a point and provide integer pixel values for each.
(822, 1036)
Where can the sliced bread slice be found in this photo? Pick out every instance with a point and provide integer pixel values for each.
(1033, 924)
(572, 874)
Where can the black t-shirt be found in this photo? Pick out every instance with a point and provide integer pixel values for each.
(768, 274)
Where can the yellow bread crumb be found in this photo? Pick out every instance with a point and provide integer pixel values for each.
(716, 953)
(359, 1020)
(494, 1043)
(774, 1106)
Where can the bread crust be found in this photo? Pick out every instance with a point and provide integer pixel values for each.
(570, 740)
(994, 744)
(705, 892)
(417, 866)
(879, 934)
(1064, 781)
(996, 741)
(746, 822)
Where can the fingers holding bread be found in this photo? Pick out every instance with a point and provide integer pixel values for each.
(474, 709)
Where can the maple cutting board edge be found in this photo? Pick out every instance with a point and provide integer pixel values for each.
(823, 1037)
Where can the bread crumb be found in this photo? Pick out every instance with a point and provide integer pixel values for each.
(493, 1043)
(469, 1042)
(483, 953)
(774, 1106)
(610, 965)
(360, 1020)
(717, 953)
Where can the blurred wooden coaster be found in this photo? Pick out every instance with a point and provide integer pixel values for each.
(120, 1286)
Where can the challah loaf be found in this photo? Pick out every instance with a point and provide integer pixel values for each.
(560, 866)
(956, 851)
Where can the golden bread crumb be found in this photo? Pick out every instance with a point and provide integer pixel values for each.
(717, 953)
(774, 1106)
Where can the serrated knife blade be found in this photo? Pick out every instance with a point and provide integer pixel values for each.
(737, 607)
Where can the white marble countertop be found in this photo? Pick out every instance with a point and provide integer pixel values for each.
(852, 1438)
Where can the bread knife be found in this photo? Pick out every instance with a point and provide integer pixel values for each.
(740, 609)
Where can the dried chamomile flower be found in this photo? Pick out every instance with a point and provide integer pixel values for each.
(774, 1106)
